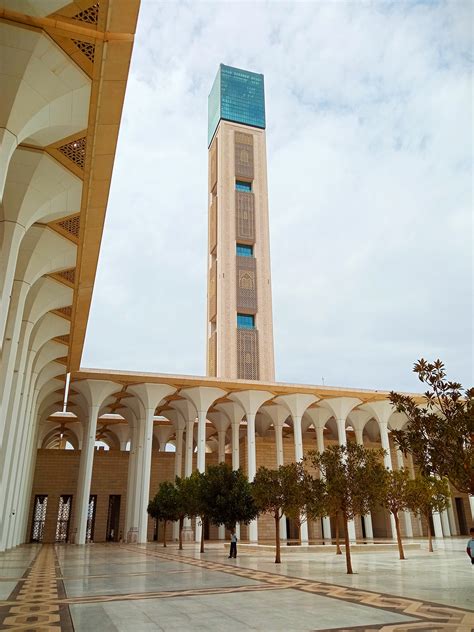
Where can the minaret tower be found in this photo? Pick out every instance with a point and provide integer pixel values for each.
(239, 297)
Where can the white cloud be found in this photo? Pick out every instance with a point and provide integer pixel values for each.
(369, 155)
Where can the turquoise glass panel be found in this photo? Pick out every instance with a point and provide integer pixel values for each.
(244, 251)
(243, 186)
(238, 96)
(245, 321)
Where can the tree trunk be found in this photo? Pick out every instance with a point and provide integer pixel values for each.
(348, 547)
(430, 538)
(181, 523)
(277, 540)
(338, 546)
(164, 532)
(202, 535)
(399, 536)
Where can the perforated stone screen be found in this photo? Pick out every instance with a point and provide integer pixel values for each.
(89, 15)
(246, 283)
(247, 354)
(71, 225)
(86, 48)
(244, 216)
(212, 356)
(243, 150)
(75, 151)
(213, 291)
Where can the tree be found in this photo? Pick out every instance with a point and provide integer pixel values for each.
(226, 496)
(284, 491)
(440, 433)
(426, 494)
(164, 505)
(353, 476)
(187, 500)
(395, 499)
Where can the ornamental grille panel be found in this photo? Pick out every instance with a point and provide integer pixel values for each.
(86, 48)
(213, 166)
(213, 291)
(64, 514)
(247, 354)
(64, 339)
(67, 275)
(213, 225)
(65, 311)
(244, 216)
(243, 151)
(246, 283)
(91, 518)
(75, 151)
(89, 15)
(71, 225)
(212, 355)
(39, 518)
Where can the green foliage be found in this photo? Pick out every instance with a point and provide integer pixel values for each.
(353, 478)
(284, 491)
(440, 434)
(188, 496)
(426, 494)
(225, 496)
(164, 505)
(395, 490)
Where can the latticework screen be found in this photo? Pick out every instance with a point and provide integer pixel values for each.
(244, 216)
(244, 155)
(213, 167)
(212, 355)
(247, 354)
(212, 292)
(246, 283)
(213, 225)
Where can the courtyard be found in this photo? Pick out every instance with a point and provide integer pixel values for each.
(123, 587)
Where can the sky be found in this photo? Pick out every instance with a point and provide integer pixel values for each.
(369, 142)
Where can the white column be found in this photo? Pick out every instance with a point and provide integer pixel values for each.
(341, 433)
(221, 459)
(147, 430)
(188, 470)
(406, 514)
(178, 467)
(369, 532)
(251, 467)
(387, 459)
(280, 461)
(445, 524)
(471, 504)
(85, 473)
(236, 457)
(131, 486)
(298, 436)
(320, 444)
(438, 528)
(452, 521)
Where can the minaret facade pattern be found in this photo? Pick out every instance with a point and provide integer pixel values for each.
(240, 322)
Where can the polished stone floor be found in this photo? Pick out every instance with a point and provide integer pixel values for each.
(124, 587)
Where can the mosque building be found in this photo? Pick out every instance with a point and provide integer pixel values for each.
(67, 65)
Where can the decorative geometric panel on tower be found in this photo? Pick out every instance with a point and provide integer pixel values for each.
(65, 276)
(86, 48)
(213, 165)
(243, 155)
(75, 151)
(246, 283)
(247, 354)
(64, 311)
(89, 15)
(213, 291)
(213, 225)
(212, 355)
(244, 216)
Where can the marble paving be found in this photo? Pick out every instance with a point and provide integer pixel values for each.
(124, 587)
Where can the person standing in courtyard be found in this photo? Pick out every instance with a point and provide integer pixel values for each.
(469, 548)
(233, 544)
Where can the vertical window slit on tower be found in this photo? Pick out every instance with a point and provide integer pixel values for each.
(240, 185)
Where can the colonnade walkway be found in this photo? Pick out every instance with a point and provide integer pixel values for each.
(146, 587)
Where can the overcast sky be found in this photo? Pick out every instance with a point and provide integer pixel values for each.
(369, 139)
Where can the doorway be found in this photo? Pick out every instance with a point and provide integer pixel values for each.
(113, 519)
(39, 517)
(64, 516)
(461, 516)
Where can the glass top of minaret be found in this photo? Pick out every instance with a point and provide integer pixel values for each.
(238, 96)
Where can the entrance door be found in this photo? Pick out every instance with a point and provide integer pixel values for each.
(39, 517)
(461, 516)
(113, 519)
(64, 515)
(91, 518)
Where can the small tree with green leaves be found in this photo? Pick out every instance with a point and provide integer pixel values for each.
(284, 491)
(395, 499)
(226, 496)
(164, 505)
(440, 429)
(187, 500)
(353, 477)
(426, 494)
